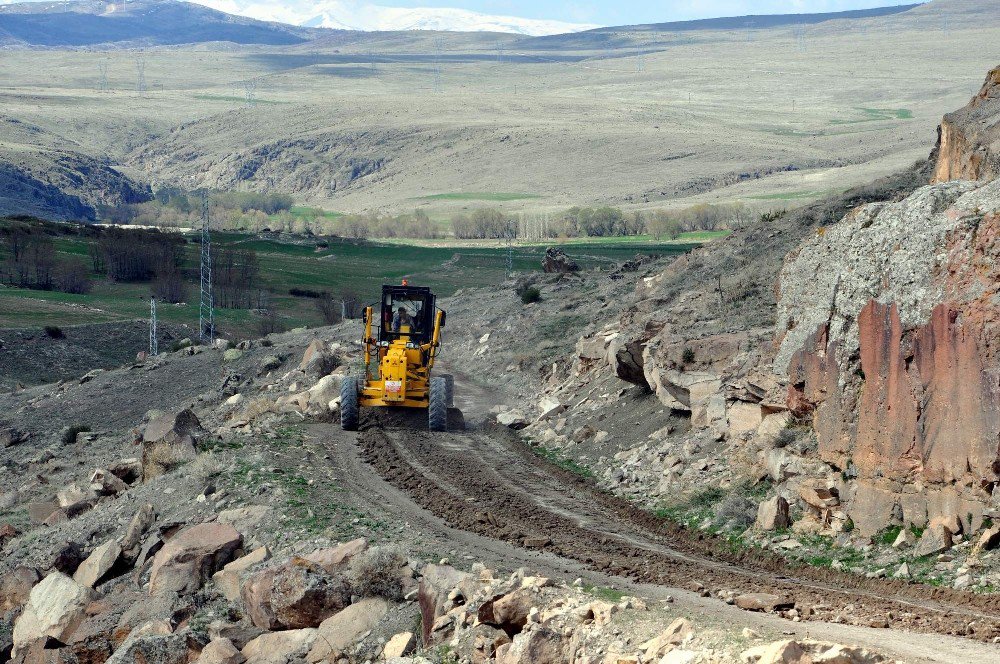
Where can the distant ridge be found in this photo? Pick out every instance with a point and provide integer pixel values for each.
(761, 21)
(143, 22)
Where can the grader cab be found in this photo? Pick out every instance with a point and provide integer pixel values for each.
(401, 340)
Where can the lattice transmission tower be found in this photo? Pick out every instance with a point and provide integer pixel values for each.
(154, 345)
(250, 88)
(102, 69)
(140, 75)
(206, 304)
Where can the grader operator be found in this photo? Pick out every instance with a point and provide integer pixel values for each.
(401, 340)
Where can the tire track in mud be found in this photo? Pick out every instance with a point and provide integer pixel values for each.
(489, 483)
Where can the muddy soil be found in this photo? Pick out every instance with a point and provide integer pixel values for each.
(488, 482)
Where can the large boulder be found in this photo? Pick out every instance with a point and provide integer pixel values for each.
(538, 646)
(335, 559)
(772, 514)
(168, 441)
(92, 570)
(318, 360)
(229, 578)
(15, 587)
(280, 647)
(294, 595)
(342, 630)
(436, 596)
(220, 651)
(188, 559)
(147, 648)
(56, 607)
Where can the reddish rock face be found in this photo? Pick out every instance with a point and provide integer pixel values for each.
(969, 140)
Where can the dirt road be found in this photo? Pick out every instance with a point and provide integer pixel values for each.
(484, 492)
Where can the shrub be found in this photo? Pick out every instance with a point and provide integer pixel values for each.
(69, 433)
(687, 357)
(736, 511)
(55, 332)
(531, 294)
(377, 573)
(785, 437)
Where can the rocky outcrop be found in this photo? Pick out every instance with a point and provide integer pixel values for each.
(885, 332)
(556, 261)
(167, 442)
(969, 139)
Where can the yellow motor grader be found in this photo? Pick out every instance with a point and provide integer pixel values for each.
(402, 338)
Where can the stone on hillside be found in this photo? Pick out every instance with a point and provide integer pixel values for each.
(435, 594)
(744, 418)
(817, 495)
(105, 483)
(514, 419)
(903, 572)
(762, 602)
(191, 557)
(318, 360)
(548, 407)
(400, 645)
(508, 612)
(92, 570)
(9, 436)
(38, 512)
(67, 558)
(232, 354)
(7, 533)
(905, 538)
(990, 539)
(790, 651)
(146, 648)
(280, 647)
(537, 646)
(127, 470)
(73, 494)
(15, 587)
(56, 606)
(137, 527)
(9, 499)
(936, 538)
(220, 651)
(335, 559)
(240, 633)
(772, 514)
(246, 519)
(339, 632)
(675, 634)
(228, 578)
(167, 442)
(294, 595)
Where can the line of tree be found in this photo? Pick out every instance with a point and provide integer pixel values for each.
(31, 262)
(174, 207)
(416, 225)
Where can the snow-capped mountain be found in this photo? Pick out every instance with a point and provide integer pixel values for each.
(360, 15)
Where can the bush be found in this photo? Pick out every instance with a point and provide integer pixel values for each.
(378, 573)
(737, 512)
(785, 437)
(55, 332)
(687, 357)
(531, 294)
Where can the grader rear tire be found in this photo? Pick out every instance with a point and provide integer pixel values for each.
(437, 410)
(450, 382)
(349, 404)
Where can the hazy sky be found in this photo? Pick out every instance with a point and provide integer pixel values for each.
(621, 12)
(643, 11)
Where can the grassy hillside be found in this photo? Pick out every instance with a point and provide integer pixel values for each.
(304, 264)
(448, 122)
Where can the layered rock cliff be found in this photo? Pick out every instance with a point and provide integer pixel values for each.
(969, 139)
(887, 339)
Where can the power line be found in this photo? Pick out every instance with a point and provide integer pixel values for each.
(206, 305)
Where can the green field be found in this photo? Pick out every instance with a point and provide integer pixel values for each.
(304, 264)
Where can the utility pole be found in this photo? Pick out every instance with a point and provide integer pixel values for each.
(154, 346)
(206, 305)
(102, 68)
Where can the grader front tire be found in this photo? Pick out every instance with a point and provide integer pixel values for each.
(437, 410)
(349, 404)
